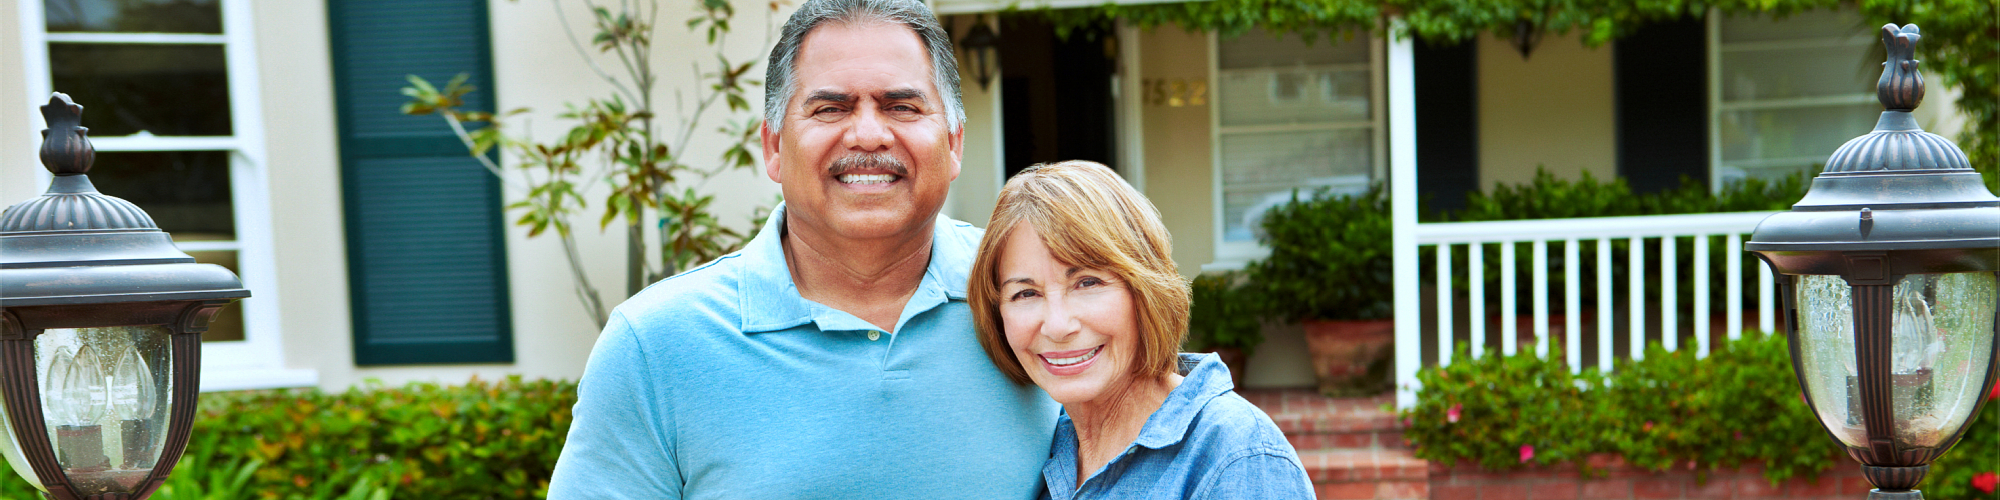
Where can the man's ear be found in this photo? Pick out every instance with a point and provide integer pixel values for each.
(957, 150)
(771, 166)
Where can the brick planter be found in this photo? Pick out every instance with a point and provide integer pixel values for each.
(1621, 481)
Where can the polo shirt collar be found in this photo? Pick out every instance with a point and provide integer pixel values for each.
(771, 300)
(1204, 378)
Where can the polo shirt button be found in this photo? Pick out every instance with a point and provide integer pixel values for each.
(874, 335)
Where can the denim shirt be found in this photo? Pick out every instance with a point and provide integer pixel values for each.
(1204, 442)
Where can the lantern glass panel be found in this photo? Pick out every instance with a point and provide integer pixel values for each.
(1943, 341)
(1826, 349)
(1941, 335)
(105, 400)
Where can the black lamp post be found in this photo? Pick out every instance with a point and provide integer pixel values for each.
(1888, 274)
(100, 332)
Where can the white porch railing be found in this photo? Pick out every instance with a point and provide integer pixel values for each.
(1573, 235)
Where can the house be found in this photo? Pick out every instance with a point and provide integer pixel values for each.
(266, 137)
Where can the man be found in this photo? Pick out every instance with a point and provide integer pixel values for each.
(834, 357)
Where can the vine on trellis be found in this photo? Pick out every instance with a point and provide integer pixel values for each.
(1961, 43)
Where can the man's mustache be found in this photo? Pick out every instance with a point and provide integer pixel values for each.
(869, 161)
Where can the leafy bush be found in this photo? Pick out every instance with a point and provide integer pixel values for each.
(481, 440)
(1330, 257)
(1223, 315)
(1740, 405)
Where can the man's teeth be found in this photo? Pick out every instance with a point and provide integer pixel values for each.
(867, 178)
(1071, 361)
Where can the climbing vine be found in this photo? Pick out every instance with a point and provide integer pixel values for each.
(1961, 43)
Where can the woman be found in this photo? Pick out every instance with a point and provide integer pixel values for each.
(1074, 290)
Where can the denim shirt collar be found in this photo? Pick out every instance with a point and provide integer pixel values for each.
(1204, 378)
(770, 300)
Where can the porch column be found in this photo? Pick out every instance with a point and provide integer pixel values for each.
(1402, 97)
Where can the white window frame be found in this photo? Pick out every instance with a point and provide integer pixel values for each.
(1717, 107)
(257, 361)
(1230, 256)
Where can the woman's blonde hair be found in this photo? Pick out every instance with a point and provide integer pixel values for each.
(1089, 218)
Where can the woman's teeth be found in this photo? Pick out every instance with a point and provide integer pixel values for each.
(1071, 361)
(867, 178)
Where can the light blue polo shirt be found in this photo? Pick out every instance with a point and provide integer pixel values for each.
(723, 382)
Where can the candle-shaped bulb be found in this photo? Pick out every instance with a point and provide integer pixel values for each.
(81, 390)
(131, 387)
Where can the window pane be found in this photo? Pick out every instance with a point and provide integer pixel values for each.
(162, 89)
(1257, 49)
(228, 323)
(1807, 132)
(1260, 171)
(1294, 95)
(144, 16)
(1818, 23)
(1801, 72)
(186, 192)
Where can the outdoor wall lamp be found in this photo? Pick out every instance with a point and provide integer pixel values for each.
(100, 331)
(983, 45)
(1888, 274)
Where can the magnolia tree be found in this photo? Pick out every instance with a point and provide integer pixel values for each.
(621, 144)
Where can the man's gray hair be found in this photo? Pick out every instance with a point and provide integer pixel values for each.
(781, 73)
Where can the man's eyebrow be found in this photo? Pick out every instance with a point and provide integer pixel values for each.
(903, 94)
(827, 96)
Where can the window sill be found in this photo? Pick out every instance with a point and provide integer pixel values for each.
(239, 379)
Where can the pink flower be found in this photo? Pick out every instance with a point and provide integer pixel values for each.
(1995, 394)
(1527, 453)
(1739, 435)
(1648, 427)
(1985, 481)
(1451, 415)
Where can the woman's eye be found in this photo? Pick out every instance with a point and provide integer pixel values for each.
(1089, 281)
(1023, 294)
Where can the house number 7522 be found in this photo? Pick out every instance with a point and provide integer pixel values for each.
(1174, 92)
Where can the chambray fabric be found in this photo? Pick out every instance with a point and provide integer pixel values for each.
(1205, 442)
(724, 383)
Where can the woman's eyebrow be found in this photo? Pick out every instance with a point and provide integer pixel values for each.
(1021, 280)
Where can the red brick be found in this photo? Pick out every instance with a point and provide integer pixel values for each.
(1856, 485)
(1504, 492)
(1607, 489)
(1344, 491)
(1605, 461)
(1554, 490)
(1659, 488)
(1715, 488)
(1350, 440)
(1757, 487)
(1455, 492)
(1403, 490)
(1804, 488)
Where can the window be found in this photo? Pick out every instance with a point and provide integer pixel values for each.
(1787, 93)
(1290, 115)
(170, 96)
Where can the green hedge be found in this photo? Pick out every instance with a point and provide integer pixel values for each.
(481, 440)
(1742, 404)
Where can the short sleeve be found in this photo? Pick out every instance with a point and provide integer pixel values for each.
(1261, 475)
(619, 445)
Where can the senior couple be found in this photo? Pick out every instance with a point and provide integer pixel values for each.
(863, 346)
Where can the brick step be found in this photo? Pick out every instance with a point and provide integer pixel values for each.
(1367, 474)
(1314, 422)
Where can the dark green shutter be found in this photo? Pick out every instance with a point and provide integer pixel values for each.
(427, 264)
(1661, 74)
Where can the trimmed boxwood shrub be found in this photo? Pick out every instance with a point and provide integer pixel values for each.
(480, 440)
